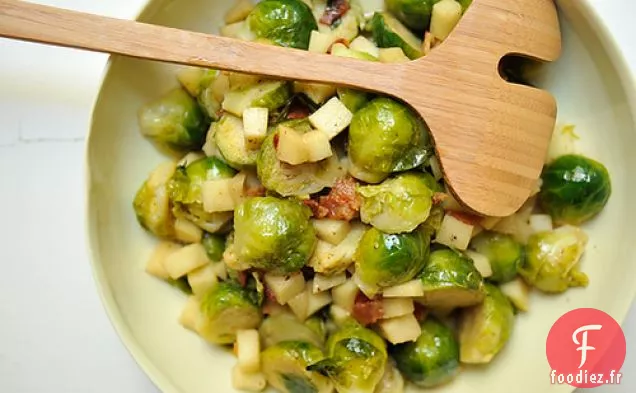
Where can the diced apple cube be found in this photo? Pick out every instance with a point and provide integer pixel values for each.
(332, 118)
(308, 303)
(239, 80)
(397, 307)
(299, 305)
(413, 288)
(320, 42)
(239, 11)
(239, 30)
(401, 329)
(345, 295)
(317, 92)
(332, 231)
(444, 18)
(324, 283)
(250, 382)
(255, 126)
(285, 287)
(392, 55)
(481, 262)
(317, 146)
(489, 222)
(217, 196)
(155, 264)
(291, 147)
(338, 314)
(518, 292)
(248, 350)
(184, 260)
(454, 233)
(203, 279)
(541, 222)
(191, 315)
(363, 44)
(187, 231)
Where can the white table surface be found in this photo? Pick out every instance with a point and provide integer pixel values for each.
(54, 333)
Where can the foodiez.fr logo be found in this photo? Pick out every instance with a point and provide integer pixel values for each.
(586, 349)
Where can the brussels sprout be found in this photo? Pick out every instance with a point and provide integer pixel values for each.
(484, 329)
(266, 94)
(317, 325)
(504, 253)
(354, 100)
(152, 203)
(451, 280)
(214, 246)
(397, 205)
(415, 14)
(199, 83)
(433, 359)
(286, 327)
(356, 360)
(384, 260)
(575, 189)
(226, 309)
(552, 258)
(288, 180)
(386, 136)
(389, 32)
(230, 139)
(284, 366)
(273, 234)
(285, 22)
(185, 192)
(174, 120)
(392, 381)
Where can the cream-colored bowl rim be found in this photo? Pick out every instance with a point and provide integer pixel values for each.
(626, 76)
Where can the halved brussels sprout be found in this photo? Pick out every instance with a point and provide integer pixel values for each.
(386, 136)
(185, 192)
(384, 260)
(285, 22)
(226, 309)
(354, 100)
(356, 359)
(389, 32)
(272, 234)
(230, 139)
(175, 120)
(485, 328)
(504, 253)
(152, 202)
(451, 280)
(299, 180)
(552, 258)
(415, 14)
(392, 381)
(397, 205)
(286, 327)
(214, 246)
(285, 367)
(199, 82)
(433, 359)
(574, 189)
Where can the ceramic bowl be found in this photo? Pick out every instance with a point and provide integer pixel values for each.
(589, 82)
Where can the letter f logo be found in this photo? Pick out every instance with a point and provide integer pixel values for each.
(583, 344)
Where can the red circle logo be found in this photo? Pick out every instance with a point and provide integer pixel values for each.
(586, 349)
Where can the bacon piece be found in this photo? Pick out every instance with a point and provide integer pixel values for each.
(420, 312)
(298, 111)
(466, 218)
(335, 10)
(367, 311)
(242, 278)
(342, 202)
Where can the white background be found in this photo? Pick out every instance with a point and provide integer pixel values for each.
(54, 333)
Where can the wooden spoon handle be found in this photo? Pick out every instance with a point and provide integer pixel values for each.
(50, 25)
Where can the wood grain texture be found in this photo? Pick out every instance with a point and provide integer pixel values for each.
(491, 136)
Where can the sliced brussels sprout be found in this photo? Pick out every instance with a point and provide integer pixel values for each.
(384, 260)
(273, 234)
(575, 189)
(230, 139)
(433, 359)
(268, 94)
(504, 253)
(185, 192)
(552, 260)
(214, 246)
(226, 309)
(285, 363)
(386, 136)
(175, 120)
(485, 328)
(389, 32)
(285, 22)
(200, 83)
(392, 381)
(152, 202)
(286, 327)
(354, 100)
(397, 205)
(451, 280)
(356, 359)
(299, 180)
(415, 14)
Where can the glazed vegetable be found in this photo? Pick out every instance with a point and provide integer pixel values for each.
(386, 136)
(230, 139)
(214, 246)
(415, 14)
(389, 32)
(286, 327)
(354, 100)
(485, 328)
(392, 380)
(384, 260)
(575, 189)
(285, 363)
(552, 259)
(152, 203)
(451, 280)
(225, 309)
(175, 120)
(285, 22)
(272, 234)
(433, 359)
(397, 205)
(185, 192)
(356, 359)
(504, 253)
(264, 94)
(202, 84)
(288, 180)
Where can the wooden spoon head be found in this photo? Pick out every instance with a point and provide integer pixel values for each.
(491, 136)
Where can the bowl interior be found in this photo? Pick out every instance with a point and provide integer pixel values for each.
(145, 311)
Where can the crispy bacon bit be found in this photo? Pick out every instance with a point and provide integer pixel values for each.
(420, 312)
(269, 294)
(335, 10)
(439, 197)
(242, 278)
(466, 218)
(298, 111)
(342, 202)
(367, 311)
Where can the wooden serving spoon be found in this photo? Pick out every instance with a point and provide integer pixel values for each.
(491, 136)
